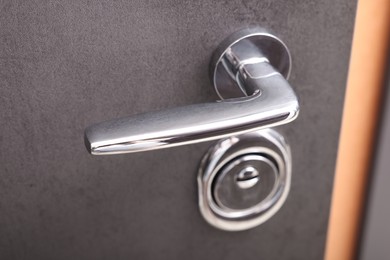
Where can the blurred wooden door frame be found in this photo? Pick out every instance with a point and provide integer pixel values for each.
(360, 116)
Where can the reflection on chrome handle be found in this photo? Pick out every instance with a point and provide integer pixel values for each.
(267, 100)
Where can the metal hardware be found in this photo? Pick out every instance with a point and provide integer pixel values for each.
(249, 70)
(247, 177)
(263, 156)
(231, 192)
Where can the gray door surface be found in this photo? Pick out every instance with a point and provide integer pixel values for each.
(67, 64)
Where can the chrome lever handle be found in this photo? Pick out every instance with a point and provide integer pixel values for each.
(249, 72)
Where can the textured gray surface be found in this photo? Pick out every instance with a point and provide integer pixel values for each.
(376, 229)
(67, 64)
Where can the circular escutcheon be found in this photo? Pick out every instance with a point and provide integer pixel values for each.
(247, 43)
(244, 180)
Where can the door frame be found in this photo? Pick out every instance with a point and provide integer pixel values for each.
(365, 86)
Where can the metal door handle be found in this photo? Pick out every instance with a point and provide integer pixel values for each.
(249, 72)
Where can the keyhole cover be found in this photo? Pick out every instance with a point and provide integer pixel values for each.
(244, 180)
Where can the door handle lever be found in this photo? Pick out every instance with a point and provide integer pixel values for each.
(249, 71)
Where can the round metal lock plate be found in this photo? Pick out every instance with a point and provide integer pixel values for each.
(244, 180)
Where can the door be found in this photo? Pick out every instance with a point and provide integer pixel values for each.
(65, 65)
